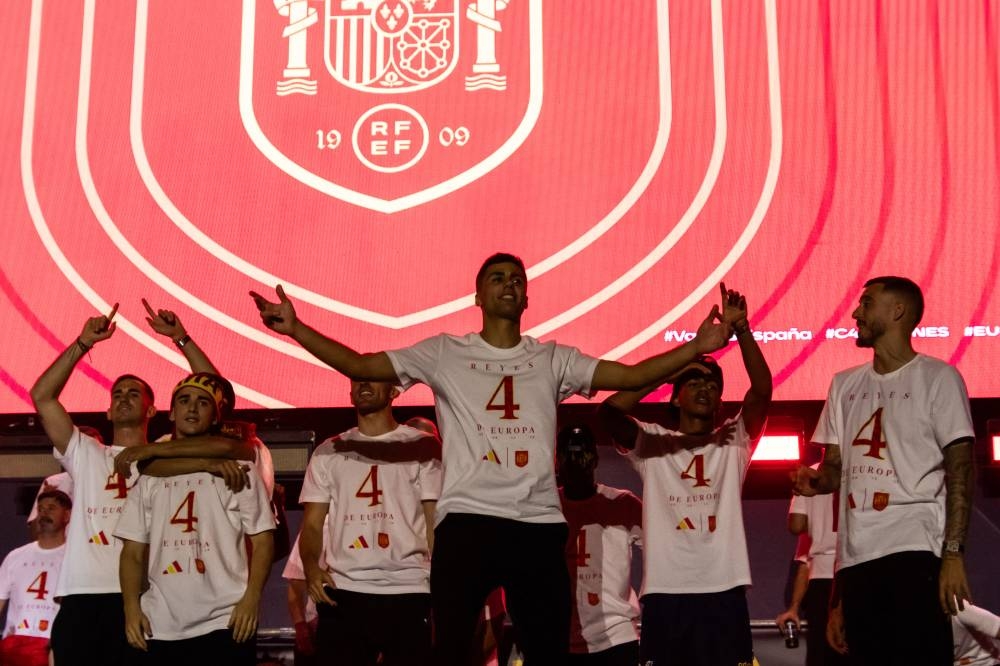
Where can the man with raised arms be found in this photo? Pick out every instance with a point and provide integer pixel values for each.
(696, 566)
(90, 623)
(496, 392)
(898, 437)
(371, 491)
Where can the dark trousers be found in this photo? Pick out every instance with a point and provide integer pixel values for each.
(473, 555)
(212, 649)
(626, 654)
(711, 629)
(815, 609)
(361, 627)
(89, 629)
(892, 614)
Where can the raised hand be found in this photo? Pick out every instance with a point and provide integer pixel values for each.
(734, 308)
(713, 333)
(100, 328)
(164, 322)
(279, 317)
(805, 481)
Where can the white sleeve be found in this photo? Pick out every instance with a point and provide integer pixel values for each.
(429, 479)
(799, 504)
(255, 509)
(826, 428)
(980, 620)
(135, 519)
(317, 486)
(417, 363)
(950, 408)
(5, 579)
(575, 371)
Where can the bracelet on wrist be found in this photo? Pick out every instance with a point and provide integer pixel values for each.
(742, 331)
(180, 342)
(84, 347)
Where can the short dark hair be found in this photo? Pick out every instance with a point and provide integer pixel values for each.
(575, 438)
(58, 495)
(906, 288)
(145, 385)
(498, 258)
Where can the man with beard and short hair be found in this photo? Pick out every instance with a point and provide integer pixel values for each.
(90, 622)
(696, 565)
(27, 579)
(898, 437)
(373, 489)
(185, 536)
(496, 393)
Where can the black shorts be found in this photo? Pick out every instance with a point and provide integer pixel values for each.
(892, 614)
(90, 628)
(474, 555)
(361, 627)
(215, 648)
(711, 629)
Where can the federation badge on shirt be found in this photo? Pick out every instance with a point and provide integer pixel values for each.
(520, 458)
(383, 540)
(880, 501)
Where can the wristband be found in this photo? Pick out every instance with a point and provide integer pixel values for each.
(180, 342)
(742, 331)
(84, 347)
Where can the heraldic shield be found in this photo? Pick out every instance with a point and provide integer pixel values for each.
(388, 104)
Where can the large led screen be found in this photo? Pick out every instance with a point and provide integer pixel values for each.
(368, 154)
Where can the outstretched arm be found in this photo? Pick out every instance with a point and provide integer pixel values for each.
(280, 317)
(45, 393)
(758, 397)
(958, 481)
(614, 376)
(168, 324)
(615, 419)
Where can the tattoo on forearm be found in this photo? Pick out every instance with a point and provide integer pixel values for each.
(959, 475)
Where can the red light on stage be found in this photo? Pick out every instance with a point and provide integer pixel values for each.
(993, 432)
(778, 448)
(996, 449)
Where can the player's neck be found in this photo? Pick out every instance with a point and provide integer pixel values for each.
(892, 353)
(501, 333)
(691, 424)
(377, 423)
(129, 435)
(50, 541)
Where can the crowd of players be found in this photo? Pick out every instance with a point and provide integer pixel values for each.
(414, 546)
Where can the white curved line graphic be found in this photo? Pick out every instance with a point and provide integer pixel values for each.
(332, 305)
(693, 210)
(760, 210)
(133, 255)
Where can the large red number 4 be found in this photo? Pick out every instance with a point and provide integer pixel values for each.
(508, 406)
(698, 463)
(375, 494)
(188, 521)
(38, 585)
(582, 556)
(116, 483)
(876, 443)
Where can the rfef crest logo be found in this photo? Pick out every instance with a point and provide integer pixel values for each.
(388, 104)
(520, 458)
(880, 501)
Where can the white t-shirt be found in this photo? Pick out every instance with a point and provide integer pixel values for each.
(374, 487)
(261, 459)
(497, 412)
(61, 481)
(602, 531)
(820, 512)
(891, 430)
(92, 553)
(27, 578)
(195, 527)
(692, 517)
(975, 635)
